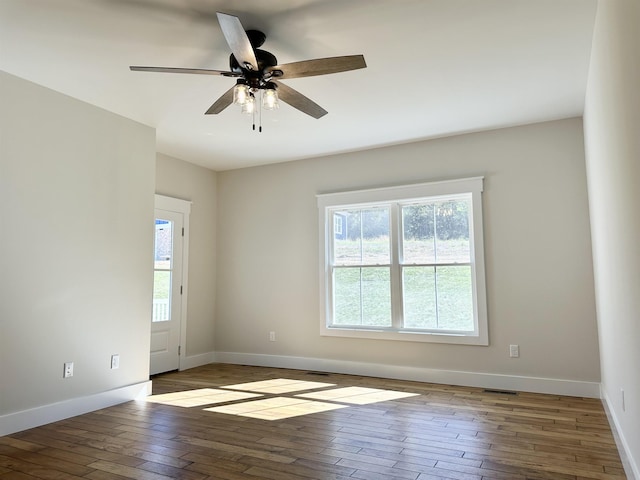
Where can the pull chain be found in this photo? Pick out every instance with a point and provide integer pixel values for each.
(260, 107)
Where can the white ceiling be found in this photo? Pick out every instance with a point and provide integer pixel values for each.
(435, 68)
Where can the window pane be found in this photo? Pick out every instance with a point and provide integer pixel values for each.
(419, 285)
(418, 234)
(436, 232)
(375, 236)
(163, 243)
(455, 305)
(361, 237)
(346, 296)
(376, 297)
(452, 231)
(161, 296)
(362, 296)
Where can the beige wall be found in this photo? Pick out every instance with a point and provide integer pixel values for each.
(537, 242)
(175, 178)
(76, 234)
(612, 125)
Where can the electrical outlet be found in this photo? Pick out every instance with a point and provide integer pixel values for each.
(514, 351)
(68, 370)
(624, 407)
(115, 361)
(272, 336)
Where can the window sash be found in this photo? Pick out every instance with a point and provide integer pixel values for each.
(457, 309)
(365, 321)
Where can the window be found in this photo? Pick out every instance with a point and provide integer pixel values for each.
(404, 263)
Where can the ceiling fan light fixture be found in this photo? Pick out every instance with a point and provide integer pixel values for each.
(269, 99)
(241, 93)
(249, 106)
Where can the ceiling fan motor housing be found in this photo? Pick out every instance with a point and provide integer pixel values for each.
(258, 78)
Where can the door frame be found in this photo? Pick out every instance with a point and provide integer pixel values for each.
(177, 205)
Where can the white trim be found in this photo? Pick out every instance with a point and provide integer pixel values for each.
(400, 192)
(35, 417)
(573, 388)
(171, 204)
(631, 468)
(404, 335)
(193, 361)
(473, 186)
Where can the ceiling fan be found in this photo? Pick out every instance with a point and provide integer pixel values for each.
(258, 73)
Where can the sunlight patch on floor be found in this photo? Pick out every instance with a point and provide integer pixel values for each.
(279, 386)
(275, 408)
(357, 395)
(279, 407)
(202, 396)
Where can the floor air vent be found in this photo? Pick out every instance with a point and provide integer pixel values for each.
(324, 374)
(500, 392)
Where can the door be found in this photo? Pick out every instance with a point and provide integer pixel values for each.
(169, 289)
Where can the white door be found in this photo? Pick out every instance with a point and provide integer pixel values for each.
(169, 289)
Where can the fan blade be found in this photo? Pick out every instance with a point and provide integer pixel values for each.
(320, 66)
(223, 102)
(238, 41)
(198, 71)
(299, 101)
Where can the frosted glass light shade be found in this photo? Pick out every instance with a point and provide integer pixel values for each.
(249, 105)
(269, 99)
(240, 94)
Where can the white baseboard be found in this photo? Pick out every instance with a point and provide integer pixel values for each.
(630, 464)
(34, 417)
(450, 377)
(196, 360)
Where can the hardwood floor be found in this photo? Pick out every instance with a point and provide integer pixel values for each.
(422, 431)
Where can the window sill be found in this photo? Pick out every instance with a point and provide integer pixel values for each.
(406, 336)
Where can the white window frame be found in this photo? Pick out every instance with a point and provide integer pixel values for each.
(401, 194)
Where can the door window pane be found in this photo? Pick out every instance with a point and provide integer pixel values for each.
(162, 275)
(163, 244)
(161, 296)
